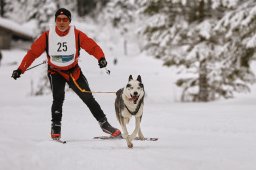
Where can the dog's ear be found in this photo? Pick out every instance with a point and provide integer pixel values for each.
(130, 78)
(139, 78)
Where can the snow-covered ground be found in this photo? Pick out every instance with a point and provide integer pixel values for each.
(219, 135)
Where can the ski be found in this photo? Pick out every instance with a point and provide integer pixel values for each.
(107, 137)
(60, 141)
(148, 139)
(120, 137)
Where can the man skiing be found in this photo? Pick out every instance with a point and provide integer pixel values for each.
(62, 45)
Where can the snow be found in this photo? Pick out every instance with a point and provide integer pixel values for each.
(192, 136)
(22, 29)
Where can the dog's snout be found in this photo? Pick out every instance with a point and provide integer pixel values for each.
(135, 93)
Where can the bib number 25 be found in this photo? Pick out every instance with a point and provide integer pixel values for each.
(62, 46)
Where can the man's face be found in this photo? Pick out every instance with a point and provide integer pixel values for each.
(62, 22)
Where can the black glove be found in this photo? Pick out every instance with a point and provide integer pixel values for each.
(103, 62)
(16, 74)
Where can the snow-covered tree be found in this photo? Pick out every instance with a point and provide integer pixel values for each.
(68, 4)
(46, 11)
(237, 32)
(120, 16)
(20, 10)
(24, 10)
(120, 13)
(183, 33)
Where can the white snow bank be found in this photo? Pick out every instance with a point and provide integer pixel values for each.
(15, 27)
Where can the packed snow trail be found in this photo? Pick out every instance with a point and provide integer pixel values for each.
(192, 136)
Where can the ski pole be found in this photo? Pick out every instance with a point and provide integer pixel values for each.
(36, 65)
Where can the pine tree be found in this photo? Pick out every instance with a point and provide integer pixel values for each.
(183, 33)
(47, 9)
(237, 32)
(20, 10)
(120, 15)
(68, 4)
(23, 11)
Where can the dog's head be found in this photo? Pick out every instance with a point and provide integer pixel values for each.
(134, 89)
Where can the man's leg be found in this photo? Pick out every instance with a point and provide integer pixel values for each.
(87, 98)
(92, 104)
(58, 92)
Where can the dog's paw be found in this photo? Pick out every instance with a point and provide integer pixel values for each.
(130, 145)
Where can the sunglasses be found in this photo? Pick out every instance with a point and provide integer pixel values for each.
(58, 19)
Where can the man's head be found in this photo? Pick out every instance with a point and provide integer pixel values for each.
(62, 19)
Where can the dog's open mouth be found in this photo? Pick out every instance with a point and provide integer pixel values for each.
(134, 98)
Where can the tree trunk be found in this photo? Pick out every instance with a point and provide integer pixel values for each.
(80, 7)
(85, 6)
(201, 14)
(2, 8)
(203, 84)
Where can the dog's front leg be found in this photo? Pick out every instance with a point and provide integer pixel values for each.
(137, 127)
(125, 134)
(140, 134)
(125, 131)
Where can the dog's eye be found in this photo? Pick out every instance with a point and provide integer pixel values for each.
(129, 86)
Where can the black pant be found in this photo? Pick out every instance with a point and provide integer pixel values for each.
(58, 91)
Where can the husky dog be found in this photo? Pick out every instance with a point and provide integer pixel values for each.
(129, 102)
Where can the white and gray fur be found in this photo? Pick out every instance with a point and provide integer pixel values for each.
(129, 102)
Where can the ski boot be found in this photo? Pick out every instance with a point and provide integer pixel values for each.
(56, 130)
(107, 128)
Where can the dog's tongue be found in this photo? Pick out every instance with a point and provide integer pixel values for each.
(134, 99)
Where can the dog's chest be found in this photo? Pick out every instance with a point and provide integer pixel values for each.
(132, 110)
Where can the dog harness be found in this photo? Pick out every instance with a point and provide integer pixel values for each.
(137, 108)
